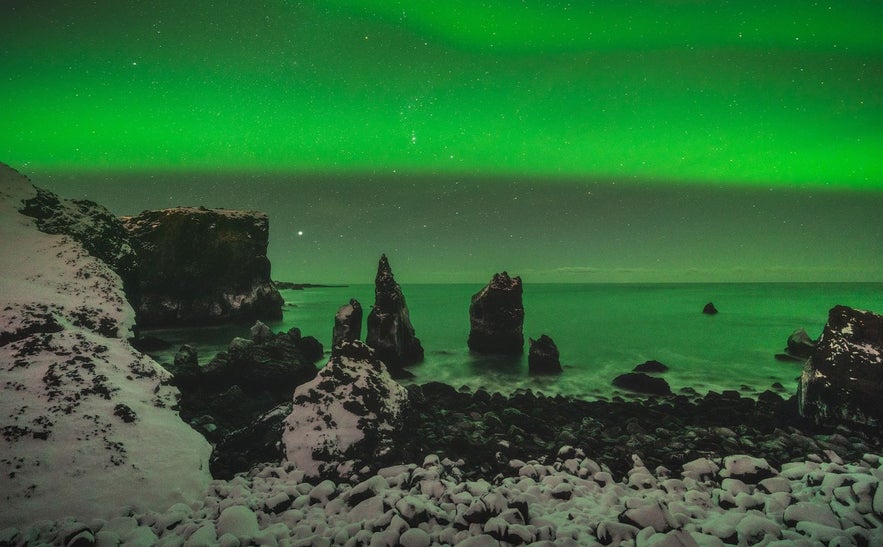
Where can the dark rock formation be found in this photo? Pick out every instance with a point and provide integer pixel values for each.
(709, 309)
(390, 332)
(239, 450)
(800, 344)
(843, 379)
(198, 266)
(347, 324)
(347, 416)
(244, 382)
(543, 357)
(642, 383)
(496, 317)
(92, 226)
(651, 367)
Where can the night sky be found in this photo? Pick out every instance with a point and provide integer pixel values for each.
(676, 140)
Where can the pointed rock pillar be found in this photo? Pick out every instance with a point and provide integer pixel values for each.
(390, 332)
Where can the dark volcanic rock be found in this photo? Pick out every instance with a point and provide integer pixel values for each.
(239, 450)
(642, 383)
(843, 379)
(93, 226)
(390, 332)
(800, 344)
(543, 357)
(496, 317)
(651, 366)
(347, 324)
(709, 309)
(198, 265)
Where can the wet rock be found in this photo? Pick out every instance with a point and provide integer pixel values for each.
(347, 324)
(841, 382)
(709, 309)
(642, 383)
(800, 345)
(543, 357)
(390, 332)
(496, 317)
(199, 266)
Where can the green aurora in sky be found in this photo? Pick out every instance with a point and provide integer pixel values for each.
(646, 140)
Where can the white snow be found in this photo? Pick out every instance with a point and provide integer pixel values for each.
(63, 450)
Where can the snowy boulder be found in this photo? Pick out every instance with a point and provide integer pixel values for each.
(496, 317)
(86, 419)
(348, 413)
(842, 380)
(347, 324)
(390, 332)
(198, 266)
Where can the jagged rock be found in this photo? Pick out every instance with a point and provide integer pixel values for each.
(709, 309)
(543, 356)
(843, 378)
(260, 332)
(390, 332)
(85, 419)
(198, 266)
(239, 450)
(496, 317)
(651, 367)
(185, 368)
(800, 344)
(642, 383)
(350, 411)
(347, 324)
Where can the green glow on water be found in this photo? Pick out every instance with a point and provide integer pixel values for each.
(781, 94)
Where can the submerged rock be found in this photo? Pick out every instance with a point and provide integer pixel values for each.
(349, 413)
(842, 380)
(347, 324)
(198, 266)
(390, 332)
(709, 309)
(496, 317)
(642, 383)
(543, 356)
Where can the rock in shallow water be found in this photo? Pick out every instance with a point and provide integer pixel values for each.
(390, 332)
(496, 317)
(842, 381)
(543, 357)
(347, 324)
(642, 383)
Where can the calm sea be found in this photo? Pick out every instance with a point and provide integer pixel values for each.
(601, 331)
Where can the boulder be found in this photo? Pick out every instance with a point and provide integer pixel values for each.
(390, 332)
(800, 344)
(642, 383)
(651, 367)
(201, 266)
(543, 356)
(348, 415)
(496, 317)
(347, 324)
(843, 379)
(709, 309)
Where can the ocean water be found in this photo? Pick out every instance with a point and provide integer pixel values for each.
(601, 330)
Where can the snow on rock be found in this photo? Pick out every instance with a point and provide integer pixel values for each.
(86, 421)
(348, 412)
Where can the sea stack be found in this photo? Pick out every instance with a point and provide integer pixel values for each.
(347, 324)
(200, 266)
(543, 356)
(709, 309)
(841, 380)
(390, 332)
(496, 316)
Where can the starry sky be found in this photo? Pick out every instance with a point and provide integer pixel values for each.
(664, 140)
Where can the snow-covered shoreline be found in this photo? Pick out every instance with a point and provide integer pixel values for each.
(572, 501)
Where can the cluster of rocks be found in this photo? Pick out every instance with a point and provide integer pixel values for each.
(572, 500)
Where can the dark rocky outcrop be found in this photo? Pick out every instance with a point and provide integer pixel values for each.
(92, 226)
(843, 379)
(390, 332)
(199, 266)
(800, 344)
(709, 309)
(543, 356)
(653, 367)
(642, 383)
(347, 416)
(496, 317)
(347, 324)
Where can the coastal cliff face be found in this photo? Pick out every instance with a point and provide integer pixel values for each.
(86, 421)
(200, 266)
(843, 378)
